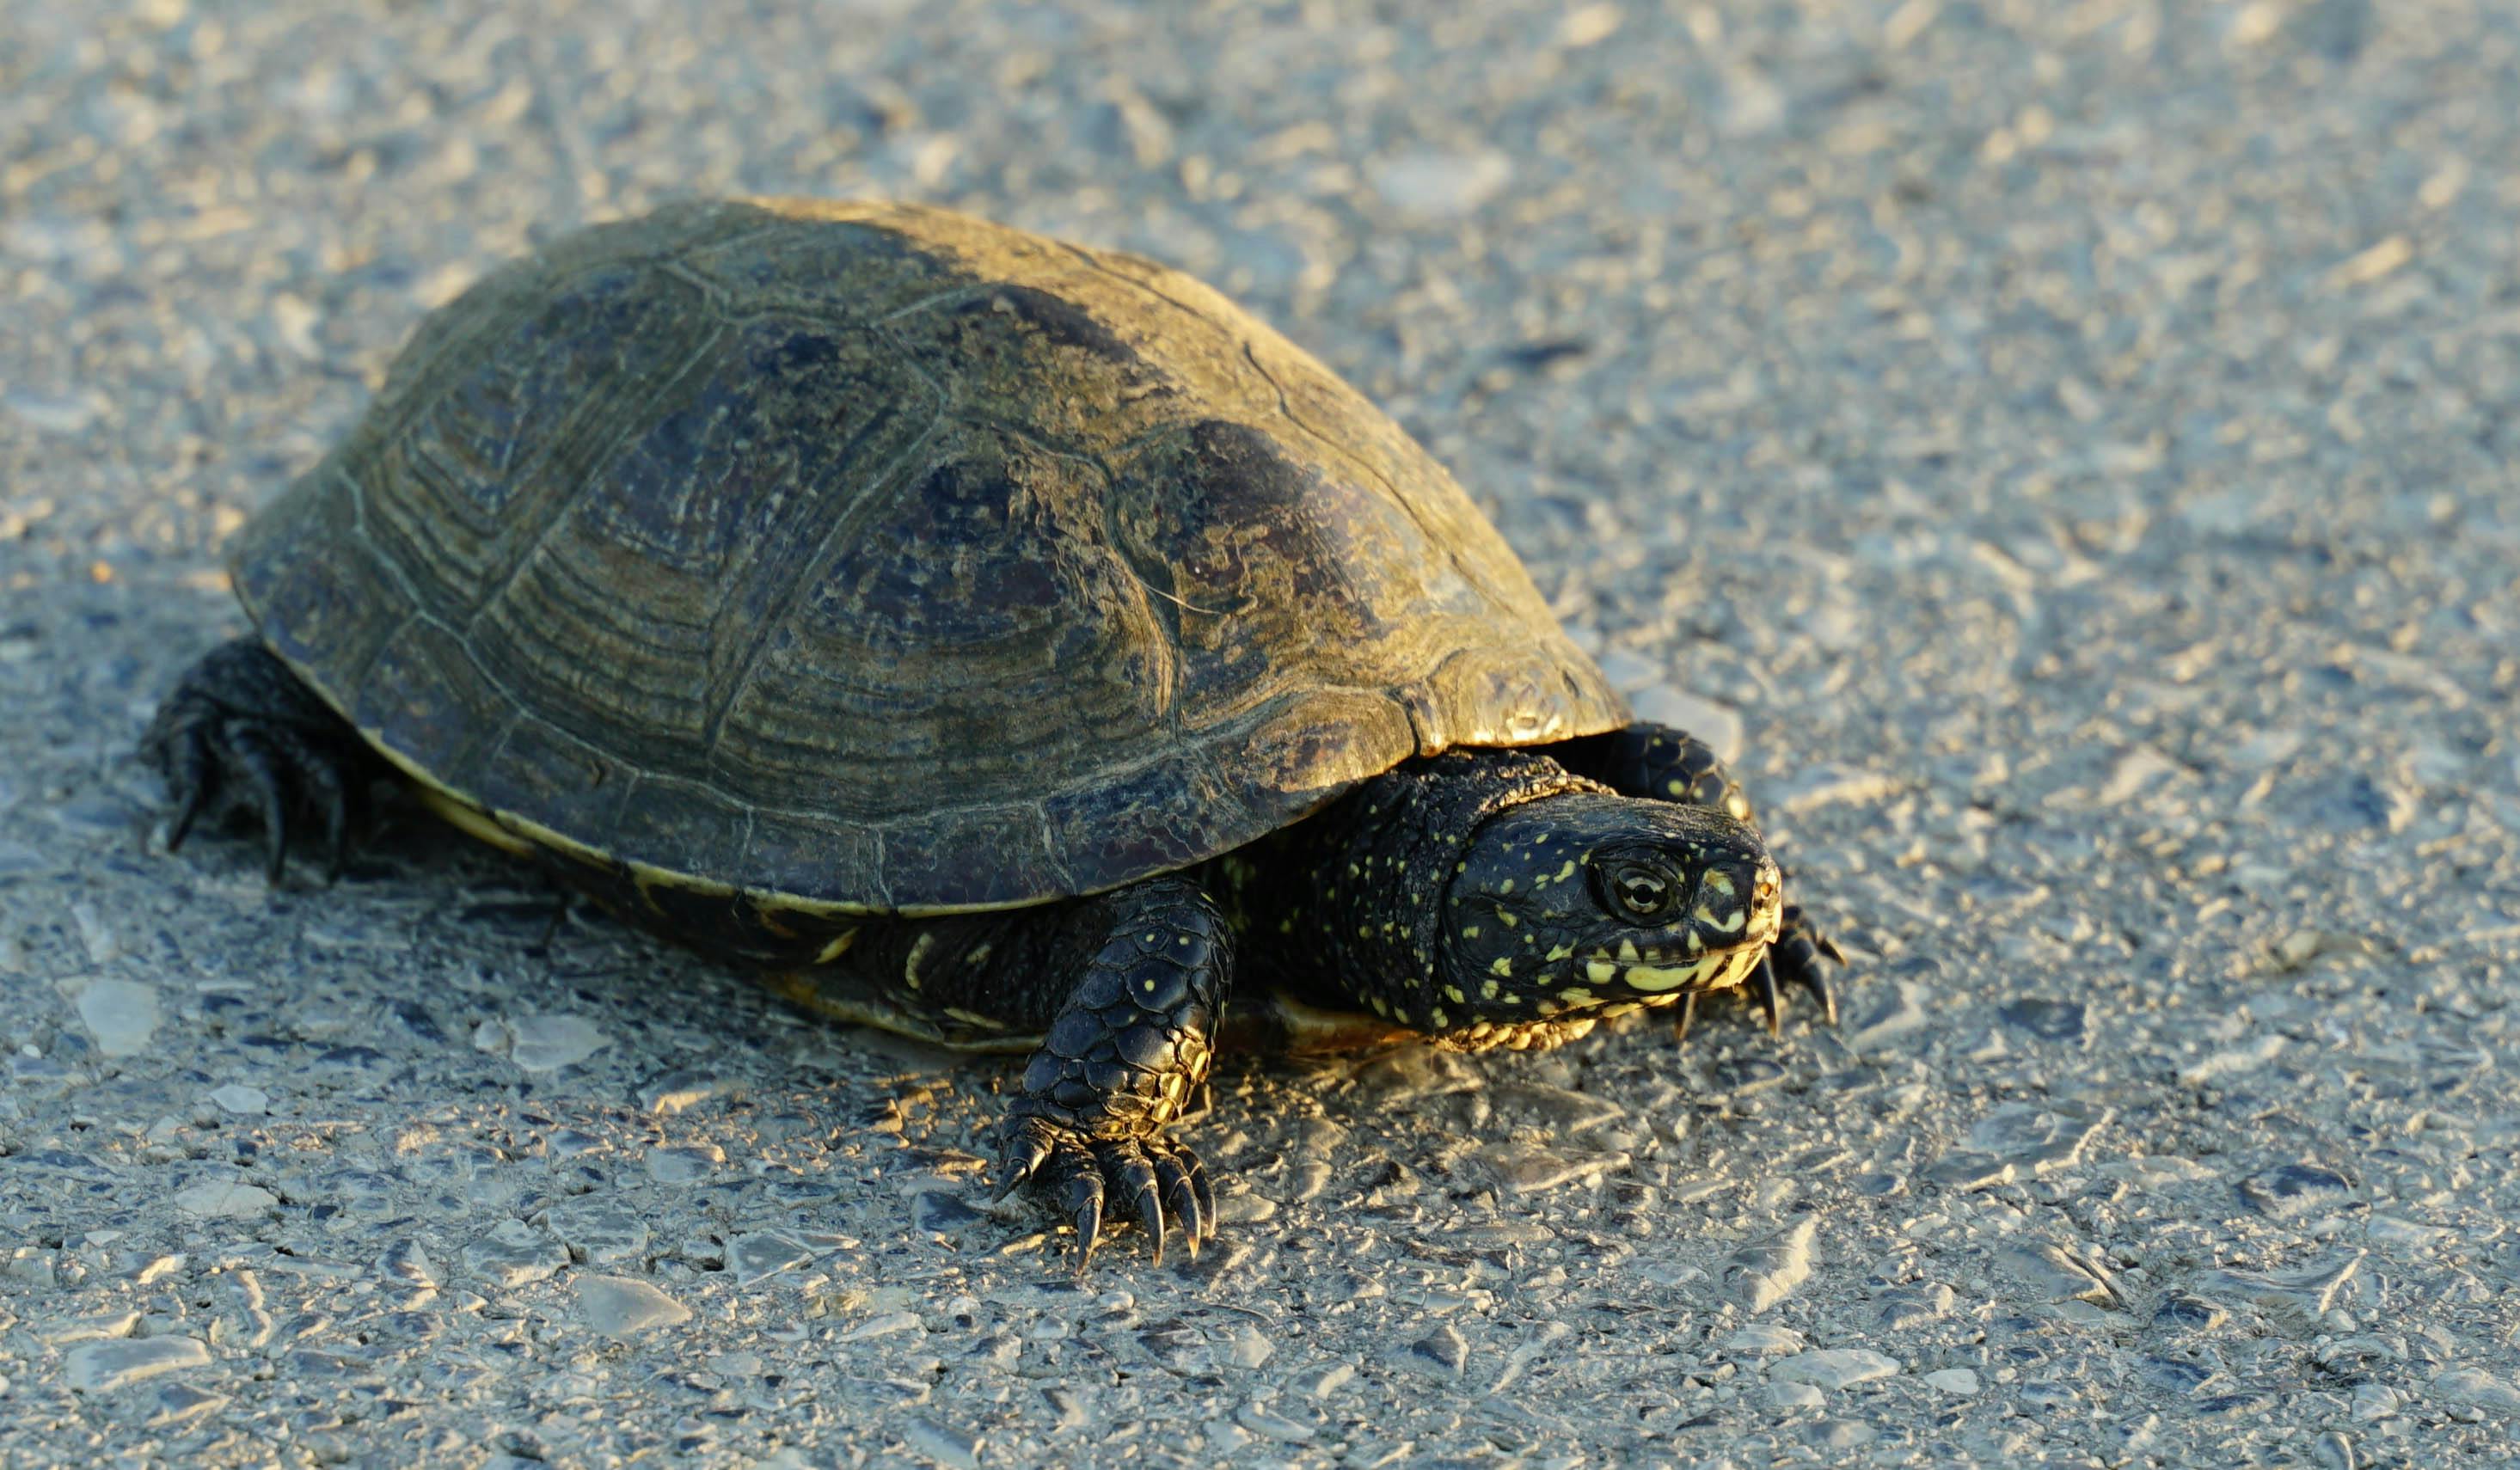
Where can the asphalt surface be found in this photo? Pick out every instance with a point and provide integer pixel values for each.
(2070, 446)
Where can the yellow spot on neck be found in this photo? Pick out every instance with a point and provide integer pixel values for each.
(1502, 967)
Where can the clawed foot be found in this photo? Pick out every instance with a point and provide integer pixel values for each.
(1792, 962)
(240, 731)
(1152, 1174)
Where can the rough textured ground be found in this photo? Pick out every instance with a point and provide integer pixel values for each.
(2078, 439)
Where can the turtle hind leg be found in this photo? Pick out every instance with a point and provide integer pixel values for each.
(241, 734)
(1129, 1045)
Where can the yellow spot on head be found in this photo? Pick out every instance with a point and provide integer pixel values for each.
(1566, 871)
(1599, 971)
(1488, 990)
(1471, 932)
(1505, 887)
(1502, 967)
(1561, 950)
(1706, 916)
(1658, 978)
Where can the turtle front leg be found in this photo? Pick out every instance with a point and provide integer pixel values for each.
(1129, 1045)
(1659, 762)
(242, 732)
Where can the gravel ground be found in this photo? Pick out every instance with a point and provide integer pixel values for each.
(2074, 444)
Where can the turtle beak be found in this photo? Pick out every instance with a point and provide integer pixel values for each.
(1739, 900)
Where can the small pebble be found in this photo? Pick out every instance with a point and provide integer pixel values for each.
(766, 1253)
(1442, 1352)
(103, 1366)
(225, 1199)
(544, 1043)
(1764, 1274)
(1760, 1340)
(122, 1014)
(243, 1101)
(516, 1254)
(1832, 1367)
(621, 1307)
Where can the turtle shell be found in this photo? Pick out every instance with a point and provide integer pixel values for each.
(872, 557)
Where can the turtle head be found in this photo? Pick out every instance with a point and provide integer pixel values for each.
(1593, 903)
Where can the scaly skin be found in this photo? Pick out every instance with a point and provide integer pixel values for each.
(1657, 762)
(1486, 898)
(1130, 1046)
(239, 731)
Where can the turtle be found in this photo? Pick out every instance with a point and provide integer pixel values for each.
(998, 639)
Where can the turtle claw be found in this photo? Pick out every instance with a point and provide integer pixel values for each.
(1083, 1175)
(1791, 961)
(239, 731)
(1763, 989)
(1795, 960)
(1185, 1193)
(1688, 1017)
(1125, 1164)
(1080, 1197)
(1028, 1146)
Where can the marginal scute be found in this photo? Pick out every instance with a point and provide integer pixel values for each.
(854, 557)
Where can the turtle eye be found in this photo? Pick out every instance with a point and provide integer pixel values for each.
(1639, 892)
